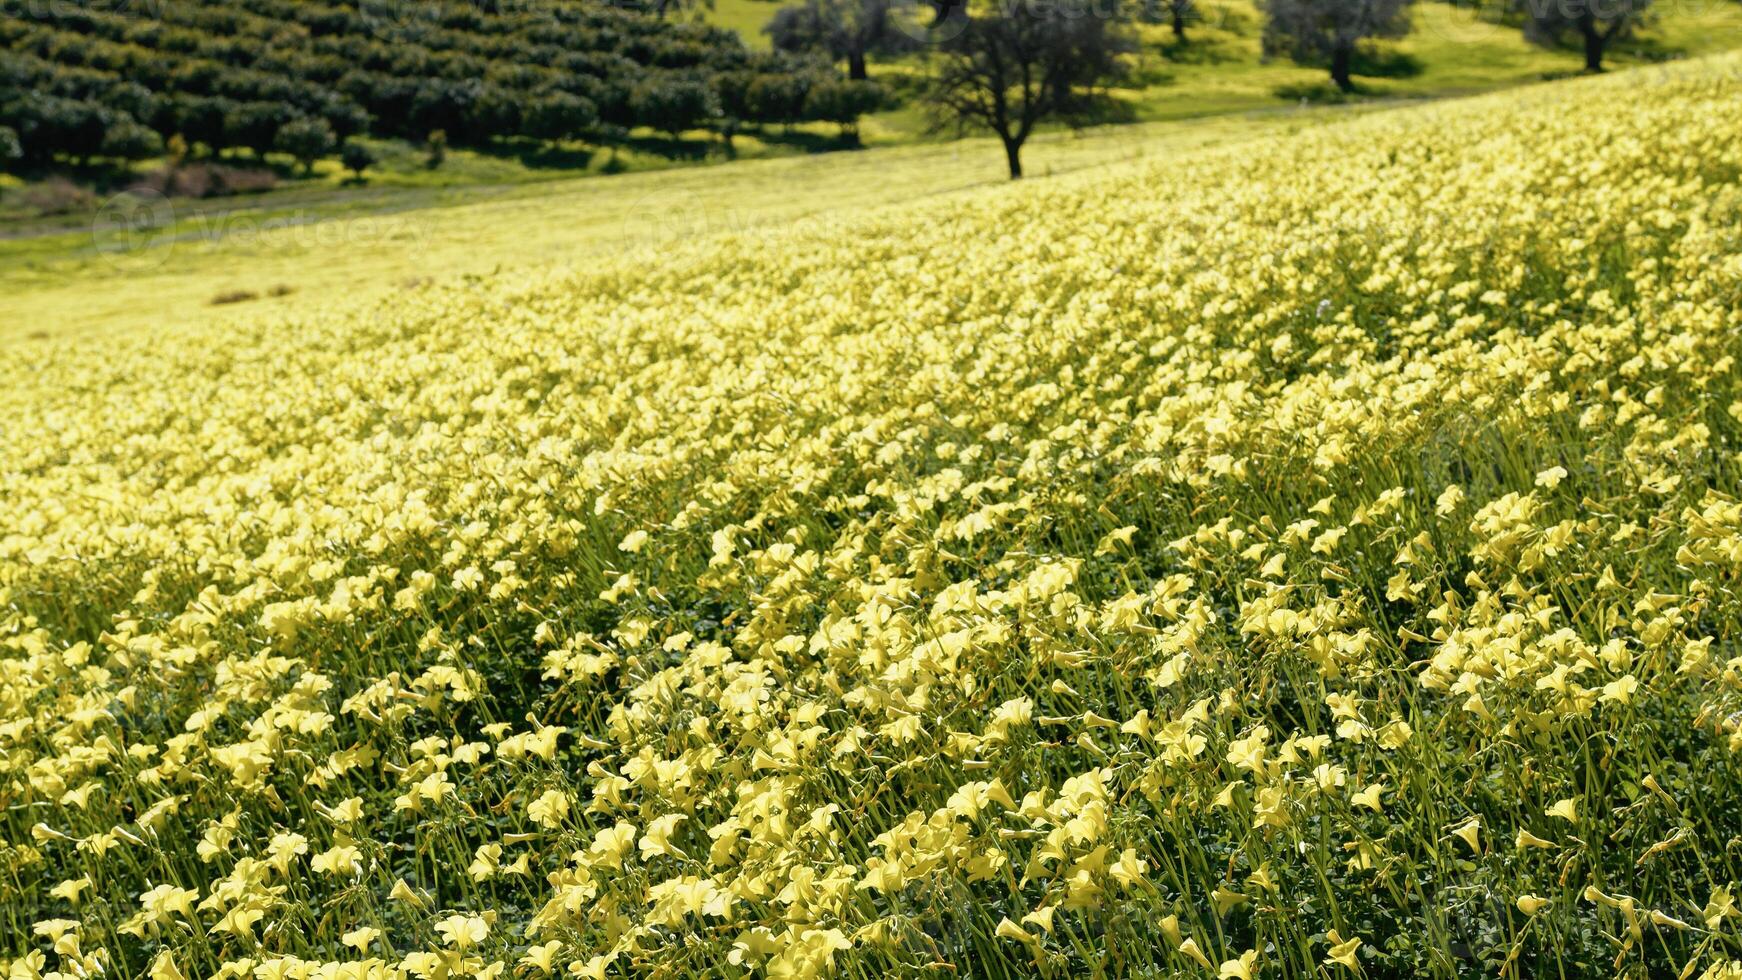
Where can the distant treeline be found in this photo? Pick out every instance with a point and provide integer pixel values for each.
(81, 81)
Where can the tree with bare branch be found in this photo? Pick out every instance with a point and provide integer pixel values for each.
(1007, 66)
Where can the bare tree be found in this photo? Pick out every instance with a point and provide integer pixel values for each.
(1007, 67)
(1596, 22)
(1317, 31)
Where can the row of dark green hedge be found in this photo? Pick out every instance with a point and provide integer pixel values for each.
(117, 81)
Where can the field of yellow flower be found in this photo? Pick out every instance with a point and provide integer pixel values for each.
(1321, 561)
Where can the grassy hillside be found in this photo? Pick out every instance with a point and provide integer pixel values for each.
(1312, 555)
(323, 244)
(485, 211)
(1451, 48)
(1219, 71)
(747, 17)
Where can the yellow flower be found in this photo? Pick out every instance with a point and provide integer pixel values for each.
(1527, 839)
(1227, 899)
(594, 967)
(1449, 500)
(485, 861)
(1170, 929)
(1239, 969)
(610, 844)
(1531, 904)
(1470, 832)
(402, 892)
(341, 859)
(1342, 951)
(360, 938)
(1129, 869)
(542, 958)
(1371, 797)
(1041, 917)
(70, 890)
(550, 809)
(1720, 906)
(462, 932)
(346, 812)
(163, 967)
(1666, 921)
(240, 922)
(655, 839)
(1010, 930)
(1190, 949)
(1621, 689)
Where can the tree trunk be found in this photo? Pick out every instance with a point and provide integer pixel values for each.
(1179, 23)
(1593, 43)
(1341, 59)
(1013, 155)
(856, 66)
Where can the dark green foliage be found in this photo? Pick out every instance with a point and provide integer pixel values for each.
(1593, 22)
(81, 81)
(74, 127)
(776, 98)
(255, 125)
(844, 30)
(306, 140)
(1329, 32)
(559, 115)
(843, 102)
(673, 105)
(10, 148)
(126, 139)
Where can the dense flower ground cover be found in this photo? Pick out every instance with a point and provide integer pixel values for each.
(1310, 562)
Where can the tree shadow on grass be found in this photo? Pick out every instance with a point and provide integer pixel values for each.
(809, 142)
(1386, 64)
(1317, 93)
(1197, 50)
(101, 176)
(671, 147)
(537, 154)
(1648, 49)
(1103, 110)
(1365, 65)
(1152, 74)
